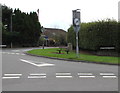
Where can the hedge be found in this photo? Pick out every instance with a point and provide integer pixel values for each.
(94, 35)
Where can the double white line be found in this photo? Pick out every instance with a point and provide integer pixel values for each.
(37, 75)
(108, 75)
(11, 76)
(86, 75)
(63, 75)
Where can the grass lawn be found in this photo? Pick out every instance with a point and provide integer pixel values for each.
(72, 55)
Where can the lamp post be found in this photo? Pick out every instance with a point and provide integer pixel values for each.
(76, 25)
(11, 28)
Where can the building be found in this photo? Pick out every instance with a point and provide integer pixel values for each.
(54, 37)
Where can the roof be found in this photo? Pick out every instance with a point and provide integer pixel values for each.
(51, 32)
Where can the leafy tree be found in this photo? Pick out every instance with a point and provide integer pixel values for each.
(6, 15)
(71, 36)
(26, 29)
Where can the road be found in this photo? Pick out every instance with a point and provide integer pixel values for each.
(21, 72)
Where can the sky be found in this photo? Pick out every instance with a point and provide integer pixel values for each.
(58, 13)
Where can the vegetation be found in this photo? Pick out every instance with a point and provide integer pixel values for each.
(72, 55)
(26, 29)
(94, 35)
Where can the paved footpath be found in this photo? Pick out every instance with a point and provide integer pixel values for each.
(22, 72)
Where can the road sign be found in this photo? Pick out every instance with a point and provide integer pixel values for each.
(46, 37)
(76, 26)
(76, 18)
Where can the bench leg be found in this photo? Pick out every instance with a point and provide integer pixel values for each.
(59, 52)
(67, 52)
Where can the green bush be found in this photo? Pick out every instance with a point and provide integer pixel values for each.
(94, 35)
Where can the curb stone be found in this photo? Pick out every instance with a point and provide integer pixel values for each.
(71, 60)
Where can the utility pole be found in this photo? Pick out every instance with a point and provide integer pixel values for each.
(76, 25)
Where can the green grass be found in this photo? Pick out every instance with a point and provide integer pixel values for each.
(72, 55)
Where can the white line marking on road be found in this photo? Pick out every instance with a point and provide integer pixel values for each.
(39, 65)
(12, 53)
(15, 50)
(36, 76)
(86, 76)
(17, 53)
(12, 74)
(23, 54)
(10, 77)
(28, 62)
(8, 53)
(107, 74)
(45, 64)
(63, 73)
(63, 76)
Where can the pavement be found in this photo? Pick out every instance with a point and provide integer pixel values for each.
(21, 72)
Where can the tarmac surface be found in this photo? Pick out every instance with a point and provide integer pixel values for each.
(21, 72)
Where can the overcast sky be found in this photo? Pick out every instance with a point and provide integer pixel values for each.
(58, 13)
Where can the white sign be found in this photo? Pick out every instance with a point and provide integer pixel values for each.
(76, 20)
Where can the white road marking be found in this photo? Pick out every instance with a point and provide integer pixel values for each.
(86, 76)
(10, 77)
(63, 73)
(63, 76)
(12, 53)
(107, 74)
(15, 50)
(23, 54)
(5, 52)
(38, 65)
(12, 74)
(8, 53)
(36, 76)
(17, 53)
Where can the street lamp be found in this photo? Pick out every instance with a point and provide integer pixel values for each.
(11, 27)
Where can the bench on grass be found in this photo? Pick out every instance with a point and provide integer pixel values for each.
(63, 49)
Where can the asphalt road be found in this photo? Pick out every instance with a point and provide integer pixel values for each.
(22, 72)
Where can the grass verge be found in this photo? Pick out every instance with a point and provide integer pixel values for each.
(72, 55)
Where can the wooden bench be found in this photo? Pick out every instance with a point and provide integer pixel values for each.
(63, 49)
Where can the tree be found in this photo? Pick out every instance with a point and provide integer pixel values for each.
(71, 36)
(6, 14)
(26, 29)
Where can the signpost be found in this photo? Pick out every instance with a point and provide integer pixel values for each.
(46, 38)
(76, 25)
